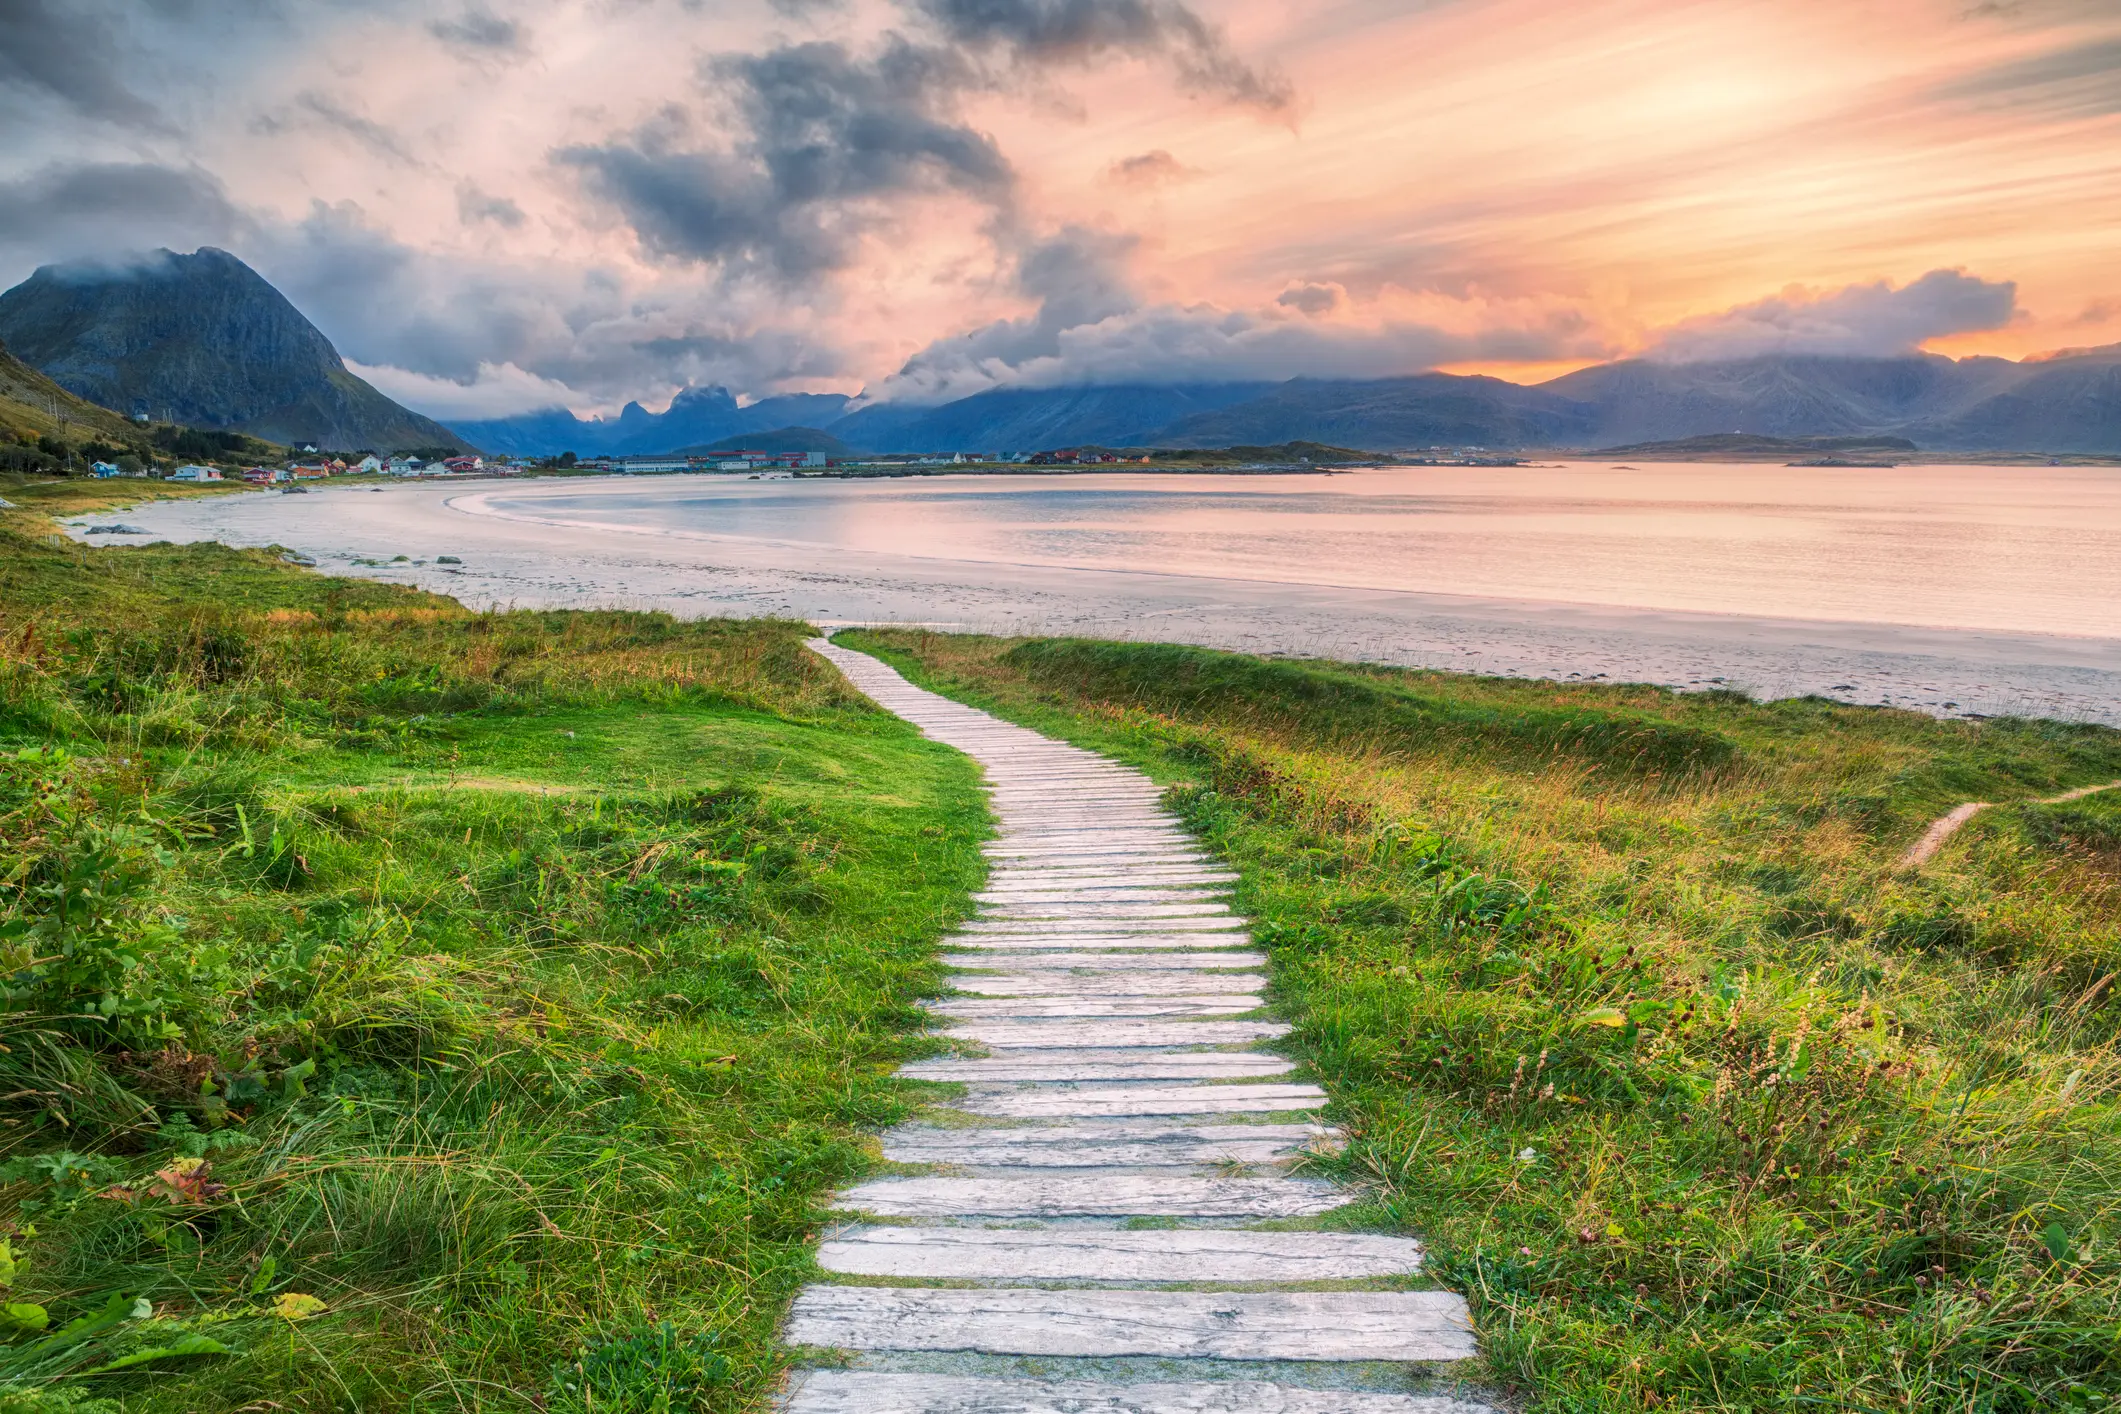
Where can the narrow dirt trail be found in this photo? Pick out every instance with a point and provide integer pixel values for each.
(1101, 1228)
(1946, 825)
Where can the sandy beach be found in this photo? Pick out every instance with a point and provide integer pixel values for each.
(517, 558)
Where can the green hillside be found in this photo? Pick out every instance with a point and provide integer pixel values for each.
(33, 406)
(787, 439)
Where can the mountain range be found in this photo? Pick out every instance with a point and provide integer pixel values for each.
(202, 339)
(2066, 403)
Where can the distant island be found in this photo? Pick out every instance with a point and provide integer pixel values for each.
(1752, 447)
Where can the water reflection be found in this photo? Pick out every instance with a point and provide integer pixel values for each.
(2035, 549)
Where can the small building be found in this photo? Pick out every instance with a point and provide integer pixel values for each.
(459, 465)
(195, 473)
(258, 475)
(406, 466)
(309, 471)
(103, 470)
(369, 463)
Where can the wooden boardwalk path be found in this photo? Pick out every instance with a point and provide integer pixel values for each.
(1090, 1240)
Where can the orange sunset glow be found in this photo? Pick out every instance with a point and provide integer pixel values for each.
(583, 203)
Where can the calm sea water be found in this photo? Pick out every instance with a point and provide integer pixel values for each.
(2033, 549)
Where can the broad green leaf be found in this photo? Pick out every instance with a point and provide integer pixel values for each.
(190, 1345)
(25, 1316)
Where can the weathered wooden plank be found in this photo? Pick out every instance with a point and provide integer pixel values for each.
(1098, 909)
(1102, 1065)
(1087, 858)
(1102, 827)
(1096, 1254)
(1181, 851)
(1005, 961)
(1032, 884)
(1237, 1325)
(1106, 881)
(1006, 926)
(1045, 1035)
(1045, 982)
(990, 1148)
(1136, 894)
(1034, 824)
(1104, 1194)
(1212, 944)
(1145, 1099)
(981, 1008)
(1028, 809)
(1216, 872)
(880, 1392)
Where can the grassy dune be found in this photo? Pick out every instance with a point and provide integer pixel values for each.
(412, 1009)
(1701, 1101)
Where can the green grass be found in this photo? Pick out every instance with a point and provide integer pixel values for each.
(1700, 1100)
(516, 986)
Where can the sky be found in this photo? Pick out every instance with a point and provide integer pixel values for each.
(498, 205)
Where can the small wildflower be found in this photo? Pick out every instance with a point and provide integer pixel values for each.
(1528, 1155)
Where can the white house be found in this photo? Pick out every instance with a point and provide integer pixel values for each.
(195, 473)
(369, 463)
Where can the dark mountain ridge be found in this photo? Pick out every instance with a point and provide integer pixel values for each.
(1035, 419)
(695, 417)
(2068, 403)
(201, 339)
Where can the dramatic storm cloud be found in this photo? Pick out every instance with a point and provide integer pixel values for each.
(499, 204)
(828, 140)
(1085, 31)
(56, 49)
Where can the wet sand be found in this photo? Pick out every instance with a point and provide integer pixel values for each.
(530, 563)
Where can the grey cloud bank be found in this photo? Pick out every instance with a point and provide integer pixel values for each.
(1875, 320)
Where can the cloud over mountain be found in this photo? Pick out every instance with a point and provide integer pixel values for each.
(99, 210)
(1861, 321)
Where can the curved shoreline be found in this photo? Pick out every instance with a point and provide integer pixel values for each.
(531, 562)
